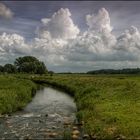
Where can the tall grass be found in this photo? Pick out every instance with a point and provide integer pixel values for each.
(14, 93)
(108, 105)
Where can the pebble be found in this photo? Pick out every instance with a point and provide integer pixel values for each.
(13, 132)
(85, 136)
(67, 123)
(28, 115)
(26, 125)
(40, 121)
(10, 126)
(52, 134)
(75, 132)
(121, 137)
(75, 137)
(17, 135)
(7, 122)
(39, 115)
(5, 133)
(75, 128)
(48, 130)
(94, 137)
(53, 127)
(6, 115)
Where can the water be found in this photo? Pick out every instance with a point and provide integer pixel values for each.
(41, 118)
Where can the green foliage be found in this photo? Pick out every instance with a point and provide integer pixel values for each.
(14, 93)
(30, 64)
(9, 68)
(26, 64)
(1, 69)
(113, 71)
(24, 59)
(109, 105)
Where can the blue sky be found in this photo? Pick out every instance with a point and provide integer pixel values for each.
(108, 20)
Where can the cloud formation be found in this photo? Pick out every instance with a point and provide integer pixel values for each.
(99, 21)
(61, 44)
(13, 44)
(5, 12)
(60, 25)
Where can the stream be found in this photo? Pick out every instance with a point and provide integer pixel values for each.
(46, 116)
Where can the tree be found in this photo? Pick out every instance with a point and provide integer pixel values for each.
(51, 73)
(1, 69)
(9, 68)
(41, 68)
(30, 64)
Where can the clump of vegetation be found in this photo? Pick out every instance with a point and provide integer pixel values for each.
(26, 64)
(15, 93)
(30, 64)
(118, 71)
(108, 105)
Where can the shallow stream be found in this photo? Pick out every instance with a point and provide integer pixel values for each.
(43, 118)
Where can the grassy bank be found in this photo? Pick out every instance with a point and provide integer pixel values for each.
(108, 105)
(14, 93)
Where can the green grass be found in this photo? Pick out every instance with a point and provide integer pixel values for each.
(14, 93)
(109, 105)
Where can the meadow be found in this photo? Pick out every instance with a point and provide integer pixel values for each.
(15, 93)
(109, 105)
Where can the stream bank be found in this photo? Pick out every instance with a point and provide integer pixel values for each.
(51, 114)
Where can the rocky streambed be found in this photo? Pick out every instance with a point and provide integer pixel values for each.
(50, 115)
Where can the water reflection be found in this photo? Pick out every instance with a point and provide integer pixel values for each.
(49, 100)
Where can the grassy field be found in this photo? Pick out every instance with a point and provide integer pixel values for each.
(108, 105)
(14, 93)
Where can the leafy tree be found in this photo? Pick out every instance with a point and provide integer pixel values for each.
(51, 73)
(41, 68)
(9, 68)
(30, 64)
(1, 68)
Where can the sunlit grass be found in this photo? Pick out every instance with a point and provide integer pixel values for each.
(14, 93)
(109, 105)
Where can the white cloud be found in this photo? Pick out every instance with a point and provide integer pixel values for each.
(99, 21)
(13, 44)
(60, 45)
(96, 45)
(59, 26)
(5, 12)
(129, 40)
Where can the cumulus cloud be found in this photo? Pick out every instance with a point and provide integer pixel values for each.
(99, 21)
(96, 45)
(60, 25)
(129, 40)
(61, 44)
(5, 12)
(13, 44)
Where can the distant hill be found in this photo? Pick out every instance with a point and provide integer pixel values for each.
(113, 71)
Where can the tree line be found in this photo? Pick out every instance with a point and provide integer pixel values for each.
(26, 64)
(113, 71)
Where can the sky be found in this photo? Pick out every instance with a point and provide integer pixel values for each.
(72, 36)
